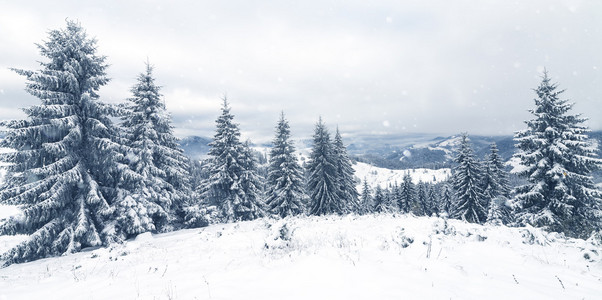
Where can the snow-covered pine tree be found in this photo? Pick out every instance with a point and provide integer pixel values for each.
(495, 178)
(164, 187)
(226, 187)
(323, 185)
(366, 203)
(380, 200)
(433, 200)
(286, 190)
(407, 194)
(466, 180)
(389, 205)
(396, 196)
(421, 207)
(250, 191)
(499, 213)
(446, 203)
(66, 164)
(345, 174)
(557, 160)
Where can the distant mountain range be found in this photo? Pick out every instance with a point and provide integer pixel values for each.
(195, 147)
(406, 151)
(424, 151)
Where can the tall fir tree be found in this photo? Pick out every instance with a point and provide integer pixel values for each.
(557, 160)
(433, 200)
(466, 180)
(251, 185)
(407, 197)
(446, 203)
(67, 163)
(164, 187)
(495, 178)
(388, 205)
(231, 185)
(286, 190)
(380, 200)
(421, 207)
(345, 174)
(397, 197)
(366, 203)
(323, 183)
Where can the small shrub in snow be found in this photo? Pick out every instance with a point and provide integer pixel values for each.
(533, 236)
(280, 241)
(401, 239)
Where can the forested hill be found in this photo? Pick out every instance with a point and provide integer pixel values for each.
(397, 151)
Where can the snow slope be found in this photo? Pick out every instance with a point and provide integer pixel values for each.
(385, 177)
(351, 257)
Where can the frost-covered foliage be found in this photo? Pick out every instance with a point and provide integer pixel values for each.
(232, 185)
(557, 160)
(158, 197)
(420, 207)
(466, 180)
(323, 185)
(495, 178)
(500, 211)
(366, 203)
(67, 164)
(286, 190)
(407, 194)
(251, 185)
(433, 200)
(345, 174)
(382, 201)
(446, 201)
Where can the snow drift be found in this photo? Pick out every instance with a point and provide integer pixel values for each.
(350, 257)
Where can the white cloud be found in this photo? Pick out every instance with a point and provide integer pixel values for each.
(419, 63)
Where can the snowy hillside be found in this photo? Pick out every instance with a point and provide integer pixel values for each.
(385, 177)
(368, 257)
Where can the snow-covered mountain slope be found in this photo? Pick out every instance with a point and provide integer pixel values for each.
(351, 257)
(385, 177)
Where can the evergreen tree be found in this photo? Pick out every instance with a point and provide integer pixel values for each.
(421, 207)
(466, 178)
(499, 212)
(323, 184)
(67, 164)
(345, 174)
(286, 192)
(446, 204)
(495, 178)
(231, 185)
(155, 155)
(407, 194)
(396, 197)
(433, 200)
(366, 203)
(380, 201)
(250, 186)
(391, 199)
(557, 160)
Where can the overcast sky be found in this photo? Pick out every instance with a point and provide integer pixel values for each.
(369, 67)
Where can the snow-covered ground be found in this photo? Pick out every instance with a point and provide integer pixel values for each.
(351, 257)
(385, 177)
